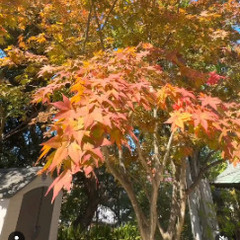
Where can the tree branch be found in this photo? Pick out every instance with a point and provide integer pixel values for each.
(173, 211)
(106, 20)
(2, 122)
(155, 141)
(20, 127)
(168, 149)
(200, 175)
(142, 160)
(182, 200)
(153, 210)
(99, 31)
(156, 182)
(165, 235)
(88, 26)
(167, 40)
(124, 181)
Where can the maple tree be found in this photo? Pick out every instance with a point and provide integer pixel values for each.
(143, 111)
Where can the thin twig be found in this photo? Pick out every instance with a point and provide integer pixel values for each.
(20, 127)
(8, 135)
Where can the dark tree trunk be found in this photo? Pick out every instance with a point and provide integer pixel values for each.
(84, 219)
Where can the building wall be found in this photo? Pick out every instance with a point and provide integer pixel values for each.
(15, 204)
(3, 210)
(55, 217)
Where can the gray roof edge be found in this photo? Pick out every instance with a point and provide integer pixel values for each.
(12, 180)
(231, 175)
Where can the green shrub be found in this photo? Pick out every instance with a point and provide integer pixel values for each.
(101, 232)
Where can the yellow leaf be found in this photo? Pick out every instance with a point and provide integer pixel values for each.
(178, 119)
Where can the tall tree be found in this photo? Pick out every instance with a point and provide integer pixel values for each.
(145, 110)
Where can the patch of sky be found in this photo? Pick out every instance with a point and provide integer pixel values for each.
(2, 53)
(27, 137)
(237, 28)
(131, 141)
(38, 130)
(105, 215)
(15, 150)
(101, 26)
(54, 76)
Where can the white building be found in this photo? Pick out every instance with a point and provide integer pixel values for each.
(25, 212)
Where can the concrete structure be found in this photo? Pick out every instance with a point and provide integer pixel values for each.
(25, 212)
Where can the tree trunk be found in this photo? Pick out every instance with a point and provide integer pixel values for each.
(202, 213)
(2, 125)
(84, 219)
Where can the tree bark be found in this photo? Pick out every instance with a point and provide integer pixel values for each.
(182, 200)
(2, 126)
(84, 219)
(202, 214)
(126, 184)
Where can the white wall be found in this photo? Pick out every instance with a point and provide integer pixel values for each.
(15, 203)
(3, 210)
(55, 217)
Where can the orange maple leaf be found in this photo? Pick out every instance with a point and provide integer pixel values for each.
(178, 118)
(202, 117)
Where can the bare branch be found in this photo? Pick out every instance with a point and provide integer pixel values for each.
(15, 131)
(156, 182)
(200, 175)
(20, 127)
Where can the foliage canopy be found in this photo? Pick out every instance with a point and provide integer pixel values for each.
(138, 85)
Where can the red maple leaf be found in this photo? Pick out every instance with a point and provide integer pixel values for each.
(202, 117)
(185, 93)
(64, 180)
(214, 78)
(210, 101)
(64, 106)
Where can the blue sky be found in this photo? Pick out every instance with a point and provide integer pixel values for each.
(2, 54)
